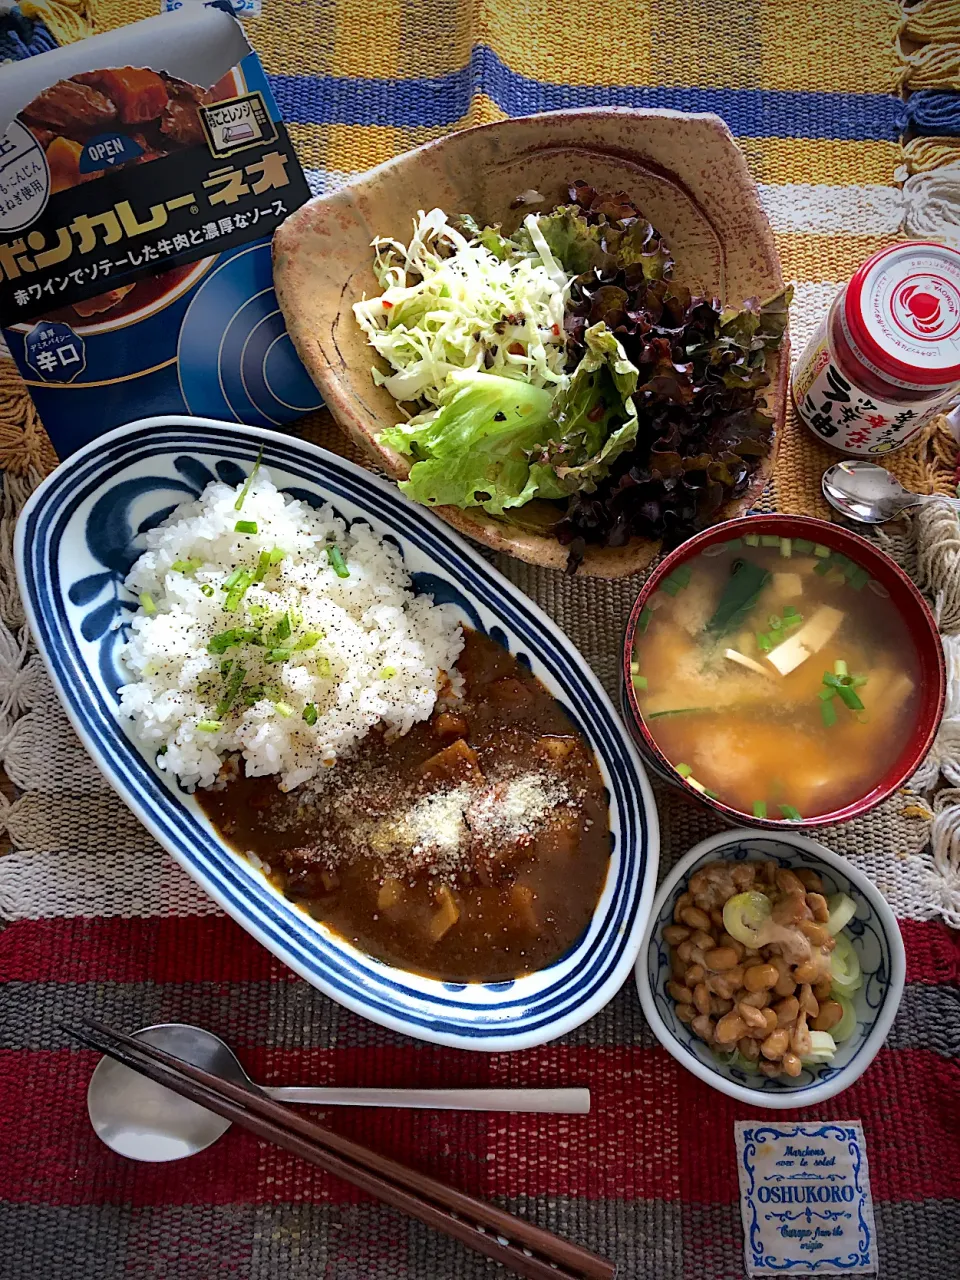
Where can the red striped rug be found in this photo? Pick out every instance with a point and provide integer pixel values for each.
(648, 1177)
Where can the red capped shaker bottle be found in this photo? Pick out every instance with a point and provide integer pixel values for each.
(886, 357)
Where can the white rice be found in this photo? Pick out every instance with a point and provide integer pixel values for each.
(381, 658)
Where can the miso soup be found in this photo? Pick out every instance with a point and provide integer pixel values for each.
(776, 676)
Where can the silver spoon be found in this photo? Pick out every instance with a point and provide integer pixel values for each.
(142, 1120)
(867, 493)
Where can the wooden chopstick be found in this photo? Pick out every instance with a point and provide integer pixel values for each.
(483, 1227)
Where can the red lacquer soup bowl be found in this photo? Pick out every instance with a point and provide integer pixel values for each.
(918, 733)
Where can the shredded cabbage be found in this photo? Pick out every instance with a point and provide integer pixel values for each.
(450, 303)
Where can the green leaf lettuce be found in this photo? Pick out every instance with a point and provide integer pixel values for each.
(498, 442)
(475, 450)
(579, 245)
(594, 419)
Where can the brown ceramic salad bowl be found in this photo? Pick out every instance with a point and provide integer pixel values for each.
(685, 174)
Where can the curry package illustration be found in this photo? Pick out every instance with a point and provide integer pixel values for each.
(142, 175)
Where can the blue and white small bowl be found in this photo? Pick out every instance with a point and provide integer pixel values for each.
(876, 939)
(75, 542)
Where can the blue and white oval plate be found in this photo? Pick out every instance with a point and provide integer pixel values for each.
(76, 540)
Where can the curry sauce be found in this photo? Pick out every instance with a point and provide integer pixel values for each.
(474, 848)
(506, 768)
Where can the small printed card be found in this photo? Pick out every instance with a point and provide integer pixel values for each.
(805, 1198)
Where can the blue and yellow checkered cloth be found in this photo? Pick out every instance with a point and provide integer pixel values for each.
(811, 88)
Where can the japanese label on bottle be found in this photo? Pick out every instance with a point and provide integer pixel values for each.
(846, 416)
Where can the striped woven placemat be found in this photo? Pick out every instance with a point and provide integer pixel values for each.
(105, 923)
